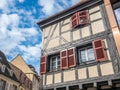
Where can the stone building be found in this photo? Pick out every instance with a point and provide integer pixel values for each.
(81, 47)
(25, 82)
(28, 70)
(8, 80)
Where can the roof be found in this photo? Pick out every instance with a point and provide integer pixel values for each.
(18, 61)
(62, 12)
(82, 5)
(3, 59)
(18, 72)
(6, 73)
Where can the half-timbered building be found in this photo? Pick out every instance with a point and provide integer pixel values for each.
(81, 47)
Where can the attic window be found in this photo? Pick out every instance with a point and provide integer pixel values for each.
(0, 58)
(3, 68)
(11, 72)
(79, 18)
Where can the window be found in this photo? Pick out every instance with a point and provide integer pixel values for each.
(3, 68)
(86, 54)
(117, 14)
(14, 87)
(79, 18)
(54, 63)
(116, 7)
(2, 85)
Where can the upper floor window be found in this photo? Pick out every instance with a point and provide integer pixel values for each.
(54, 63)
(14, 87)
(116, 7)
(2, 85)
(86, 54)
(92, 52)
(79, 18)
(117, 14)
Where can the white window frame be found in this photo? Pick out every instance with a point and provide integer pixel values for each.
(85, 49)
(57, 66)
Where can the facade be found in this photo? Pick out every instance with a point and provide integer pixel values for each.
(81, 47)
(28, 70)
(25, 82)
(8, 80)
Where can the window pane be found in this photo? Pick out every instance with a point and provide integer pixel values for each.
(117, 13)
(82, 56)
(90, 54)
(2, 85)
(55, 63)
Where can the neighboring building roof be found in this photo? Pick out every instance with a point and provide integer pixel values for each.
(51, 18)
(3, 59)
(19, 62)
(8, 69)
(18, 72)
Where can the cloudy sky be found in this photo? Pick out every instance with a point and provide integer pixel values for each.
(19, 33)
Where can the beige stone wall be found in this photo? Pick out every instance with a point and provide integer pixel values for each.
(9, 81)
(49, 79)
(107, 69)
(55, 30)
(82, 73)
(67, 37)
(93, 71)
(95, 16)
(52, 33)
(66, 25)
(106, 45)
(91, 88)
(94, 9)
(46, 31)
(57, 78)
(85, 31)
(43, 79)
(98, 27)
(53, 43)
(20, 63)
(69, 75)
(76, 34)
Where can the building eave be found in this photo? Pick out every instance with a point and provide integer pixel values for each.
(59, 16)
(43, 22)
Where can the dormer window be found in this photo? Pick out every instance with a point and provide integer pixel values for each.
(11, 72)
(3, 68)
(0, 58)
(80, 18)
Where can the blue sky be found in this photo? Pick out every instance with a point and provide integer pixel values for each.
(19, 33)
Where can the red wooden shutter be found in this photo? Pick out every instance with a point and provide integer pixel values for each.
(74, 20)
(99, 49)
(43, 65)
(71, 57)
(64, 59)
(83, 17)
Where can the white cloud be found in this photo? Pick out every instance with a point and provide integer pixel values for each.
(31, 52)
(50, 7)
(3, 4)
(75, 1)
(11, 35)
(21, 1)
